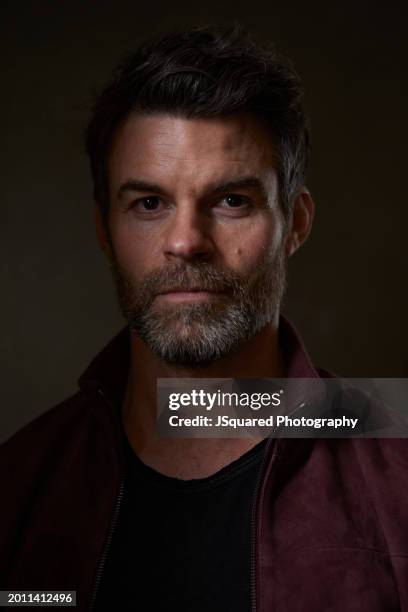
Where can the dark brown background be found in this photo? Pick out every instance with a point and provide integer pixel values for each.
(348, 291)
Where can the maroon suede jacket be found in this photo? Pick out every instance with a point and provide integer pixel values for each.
(330, 517)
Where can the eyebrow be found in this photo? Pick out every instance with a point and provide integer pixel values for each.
(245, 182)
(138, 185)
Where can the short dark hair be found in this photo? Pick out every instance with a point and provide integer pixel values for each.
(205, 73)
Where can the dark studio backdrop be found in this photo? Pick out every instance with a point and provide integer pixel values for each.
(347, 289)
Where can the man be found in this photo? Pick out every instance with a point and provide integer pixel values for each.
(198, 149)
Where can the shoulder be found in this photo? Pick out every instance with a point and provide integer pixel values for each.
(30, 465)
(382, 456)
(49, 473)
(45, 437)
(383, 465)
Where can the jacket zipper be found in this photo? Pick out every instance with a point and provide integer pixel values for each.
(106, 547)
(254, 525)
(111, 530)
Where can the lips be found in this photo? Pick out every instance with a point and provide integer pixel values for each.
(190, 294)
(189, 290)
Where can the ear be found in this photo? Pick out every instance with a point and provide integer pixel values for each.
(102, 233)
(301, 221)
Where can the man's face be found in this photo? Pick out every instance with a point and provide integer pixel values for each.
(196, 233)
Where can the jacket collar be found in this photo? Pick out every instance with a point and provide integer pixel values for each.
(297, 359)
(109, 369)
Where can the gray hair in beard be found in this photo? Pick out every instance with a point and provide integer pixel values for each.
(195, 334)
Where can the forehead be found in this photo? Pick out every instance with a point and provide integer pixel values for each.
(169, 148)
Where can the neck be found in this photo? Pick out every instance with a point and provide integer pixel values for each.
(198, 457)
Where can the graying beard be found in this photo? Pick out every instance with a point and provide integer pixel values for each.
(205, 339)
(197, 334)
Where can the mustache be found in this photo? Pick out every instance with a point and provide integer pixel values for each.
(188, 277)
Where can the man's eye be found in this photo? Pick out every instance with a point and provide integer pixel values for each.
(234, 201)
(147, 204)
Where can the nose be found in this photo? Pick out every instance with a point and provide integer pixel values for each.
(188, 236)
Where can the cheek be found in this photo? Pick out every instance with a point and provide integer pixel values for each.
(253, 243)
(131, 252)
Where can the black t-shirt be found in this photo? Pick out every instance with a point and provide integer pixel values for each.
(182, 545)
